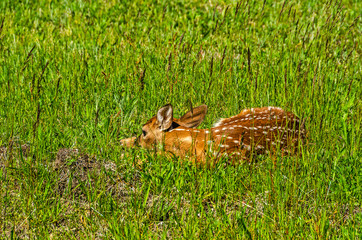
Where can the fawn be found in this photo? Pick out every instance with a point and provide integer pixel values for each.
(252, 132)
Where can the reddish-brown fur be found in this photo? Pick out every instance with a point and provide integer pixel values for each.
(253, 131)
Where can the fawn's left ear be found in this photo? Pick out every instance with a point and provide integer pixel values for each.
(194, 117)
(165, 117)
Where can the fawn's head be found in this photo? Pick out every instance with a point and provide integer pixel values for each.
(153, 131)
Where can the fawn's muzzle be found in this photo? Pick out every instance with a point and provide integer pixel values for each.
(129, 142)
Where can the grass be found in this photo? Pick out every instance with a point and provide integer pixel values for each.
(78, 76)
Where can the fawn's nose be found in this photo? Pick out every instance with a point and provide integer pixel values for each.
(128, 142)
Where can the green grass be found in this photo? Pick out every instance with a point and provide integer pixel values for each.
(81, 75)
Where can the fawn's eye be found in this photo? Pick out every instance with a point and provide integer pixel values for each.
(144, 133)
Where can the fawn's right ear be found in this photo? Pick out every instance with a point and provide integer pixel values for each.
(194, 117)
(165, 117)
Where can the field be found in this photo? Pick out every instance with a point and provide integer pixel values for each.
(78, 76)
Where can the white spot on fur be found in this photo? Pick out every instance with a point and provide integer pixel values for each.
(219, 123)
(265, 132)
(217, 130)
(229, 137)
(224, 145)
(275, 108)
(237, 142)
(179, 129)
(187, 139)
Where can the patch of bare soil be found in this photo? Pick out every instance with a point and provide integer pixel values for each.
(75, 169)
(78, 171)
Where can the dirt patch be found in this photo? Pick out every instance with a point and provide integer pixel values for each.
(79, 171)
(75, 170)
(73, 159)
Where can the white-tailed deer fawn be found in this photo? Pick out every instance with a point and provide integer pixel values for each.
(253, 131)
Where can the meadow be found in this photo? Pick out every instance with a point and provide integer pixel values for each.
(78, 76)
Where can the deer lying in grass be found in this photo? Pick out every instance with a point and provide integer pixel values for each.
(254, 131)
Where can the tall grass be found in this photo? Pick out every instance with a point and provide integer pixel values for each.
(78, 76)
